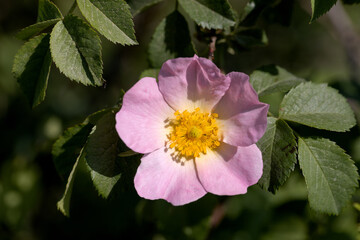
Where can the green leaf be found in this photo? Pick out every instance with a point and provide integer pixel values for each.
(278, 146)
(112, 18)
(331, 176)
(67, 148)
(31, 68)
(64, 203)
(47, 11)
(171, 39)
(102, 150)
(320, 7)
(212, 14)
(271, 79)
(137, 6)
(35, 29)
(151, 72)
(319, 106)
(76, 51)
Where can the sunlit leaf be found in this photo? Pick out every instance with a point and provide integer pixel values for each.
(319, 106)
(76, 51)
(331, 176)
(112, 18)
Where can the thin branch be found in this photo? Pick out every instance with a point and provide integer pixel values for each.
(212, 48)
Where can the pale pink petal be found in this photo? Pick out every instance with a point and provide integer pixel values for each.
(141, 120)
(230, 170)
(242, 116)
(187, 83)
(159, 176)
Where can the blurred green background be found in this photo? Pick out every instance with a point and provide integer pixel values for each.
(30, 185)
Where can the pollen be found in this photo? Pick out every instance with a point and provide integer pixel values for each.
(193, 133)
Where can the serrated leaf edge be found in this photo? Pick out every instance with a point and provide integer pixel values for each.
(16, 60)
(101, 62)
(313, 18)
(55, 20)
(207, 25)
(348, 158)
(130, 41)
(58, 10)
(275, 188)
(281, 116)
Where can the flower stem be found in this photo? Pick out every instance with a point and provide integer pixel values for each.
(212, 48)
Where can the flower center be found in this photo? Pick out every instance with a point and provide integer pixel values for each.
(193, 133)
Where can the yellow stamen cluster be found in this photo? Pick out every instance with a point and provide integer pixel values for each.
(193, 132)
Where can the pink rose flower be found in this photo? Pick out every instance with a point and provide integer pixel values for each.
(197, 129)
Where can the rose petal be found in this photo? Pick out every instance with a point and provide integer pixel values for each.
(242, 116)
(187, 83)
(140, 122)
(161, 177)
(230, 170)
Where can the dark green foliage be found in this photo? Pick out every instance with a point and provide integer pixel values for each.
(279, 149)
(137, 6)
(97, 143)
(47, 11)
(67, 148)
(250, 38)
(101, 152)
(171, 39)
(320, 7)
(351, 1)
(31, 68)
(92, 150)
(271, 79)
